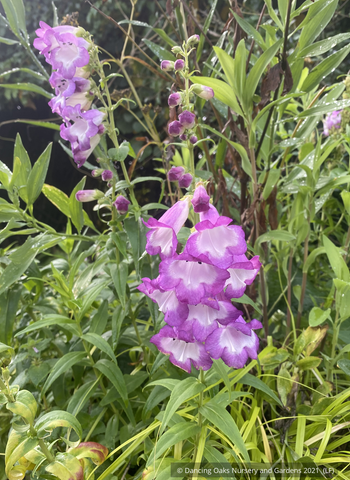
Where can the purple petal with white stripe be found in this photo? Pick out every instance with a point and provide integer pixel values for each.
(234, 343)
(242, 273)
(192, 280)
(181, 347)
(217, 244)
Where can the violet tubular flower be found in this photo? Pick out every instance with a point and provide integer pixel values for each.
(162, 235)
(182, 348)
(187, 119)
(185, 181)
(175, 173)
(200, 200)
(122, 204)
(332, 121)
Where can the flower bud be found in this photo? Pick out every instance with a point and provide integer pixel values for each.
(175, 173)
(175, 128)
(179, 64)
(185, 181)
(97, 172)
(167, 65)
(122, 204)
(176, 50)
(202, 91)
(88, 195)
(183, 137)
(193, 139)
(107, 175)
(187, 119)
(200, 200)
(174, 99)
(193, 40)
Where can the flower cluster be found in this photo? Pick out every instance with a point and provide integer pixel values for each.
(332, 122)
(184, 126)
(194, 288)
(67, 52)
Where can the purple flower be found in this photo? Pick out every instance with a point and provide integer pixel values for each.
(332, 120)
(242, 273)
(179, 64)
(162, 236)
(217, 243)
(187, 119)
(167, 65)
(80, 155)
(70, 92)
(192, 280)
(174, 99)
(175, 173)
(185, 181)
(69, 55)
(193, 139)
(234, 343)
(107, 175)
(85, 125)
(193, 39)
(184, 351)
(175, 312)
(122, 204)
(202, 91)
(47, 38)
(200, 200)
(183, 137)
(88, 195)
(175, 128)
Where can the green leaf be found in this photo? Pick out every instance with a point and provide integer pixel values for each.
(317, 18)
(284, 384)
(25, 446)
(6, 348)
(184, 390)
(58, 418)
(61, 366)
(146, 179)
(119, 154)
(336, 260)
(26, 166)
(100, 343)
(90, 296)
(222, 92)
(136, 232)
(28, 87)
(324, 68)
(318, 316)
(120, 273)
(66, 467)
(178, 433)
(37, 123)
(8, 41)
(25, 406)
(221, 369)
(307, 363)
(48, 321)
(228, 65)
(257, 71)
(100, 318)
(11, 16)
(245, 299)
(276, 235)
(319, 48)
(325, 108)
(223, 421)
(114, 375)
(37, 176)
(258, 384)
(81, 396)
(250, 30)
(161, 52)
(246, 165)
(58, 198)
(153, 206)
(9, 301)
(37, 75)
(344, 364)
(76, 208)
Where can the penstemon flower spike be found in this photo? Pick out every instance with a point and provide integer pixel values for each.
(194, 288)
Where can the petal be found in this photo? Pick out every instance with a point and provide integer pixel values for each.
(241, 274)
(233, 346)
(192, 280)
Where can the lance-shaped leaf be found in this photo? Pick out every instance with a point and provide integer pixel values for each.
(18, 445)
(97, 452)
(37, 176)
(58, 418)
(66, 467)
(25, 406)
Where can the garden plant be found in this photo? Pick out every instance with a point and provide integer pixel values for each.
(192, 318)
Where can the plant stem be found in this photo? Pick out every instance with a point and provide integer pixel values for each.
(289, 293)
(303, 283)
(46, 451)
(334, 345)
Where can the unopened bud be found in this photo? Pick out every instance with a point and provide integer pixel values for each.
(185, 181)
(202, 91)
(122, 204)
(193, 40)
(97, 172)
(179, 64)
(167, 65)
(176, 50)
(88, 195)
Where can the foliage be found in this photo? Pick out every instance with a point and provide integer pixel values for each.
(79, 373)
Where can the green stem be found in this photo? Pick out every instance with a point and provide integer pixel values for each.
(50, 457)
(334, 345)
